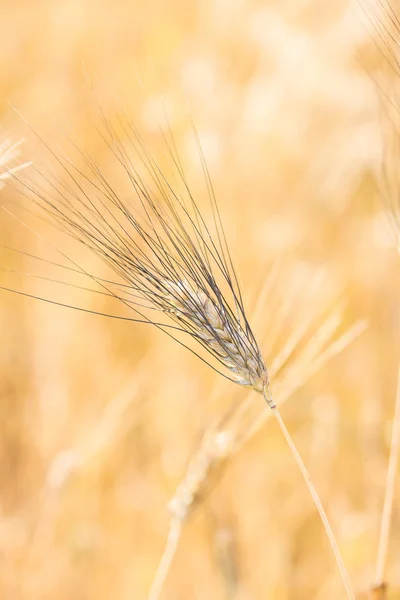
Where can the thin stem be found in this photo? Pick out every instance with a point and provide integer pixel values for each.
(389, 492)
(166, 560)
(318, 504)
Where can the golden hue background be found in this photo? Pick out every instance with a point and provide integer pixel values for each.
(100, 418)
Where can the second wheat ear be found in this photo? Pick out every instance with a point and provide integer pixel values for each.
(170, 259)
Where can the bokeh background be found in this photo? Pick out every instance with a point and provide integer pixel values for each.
(101, 418)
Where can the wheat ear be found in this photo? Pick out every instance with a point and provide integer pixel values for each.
(179, 270)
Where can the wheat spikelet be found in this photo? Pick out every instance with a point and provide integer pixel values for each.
(215, 448)
(216, 328)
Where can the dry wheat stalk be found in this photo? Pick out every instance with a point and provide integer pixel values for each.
(385, 19)
(169, 262)
(239, 423)
(384, 535)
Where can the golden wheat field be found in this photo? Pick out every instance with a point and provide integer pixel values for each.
(108, 427)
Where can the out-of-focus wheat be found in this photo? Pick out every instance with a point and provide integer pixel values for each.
(9, 154)
(288, 126)
(232, 431)
(384, 16)
(308, 348)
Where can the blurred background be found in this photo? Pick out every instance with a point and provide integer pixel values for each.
(101, 418)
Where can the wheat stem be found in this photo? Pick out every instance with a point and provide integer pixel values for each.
(318, 504)
(171, 546)
(389, 492)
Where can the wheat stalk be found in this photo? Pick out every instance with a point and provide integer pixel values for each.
(386, 22)
(170, 262)
(236, 427)
(384, 534)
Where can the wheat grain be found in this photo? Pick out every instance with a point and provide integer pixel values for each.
(216, 328)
